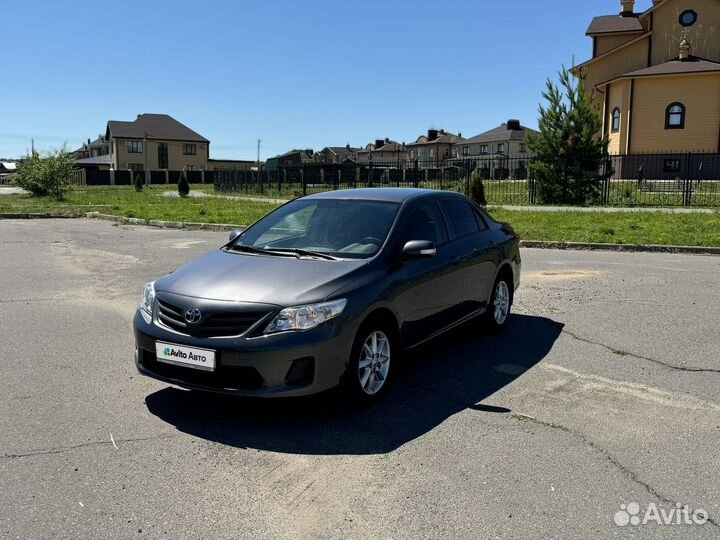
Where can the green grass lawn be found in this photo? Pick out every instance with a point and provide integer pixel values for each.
(148, 204)
(615, 228)
(623, 228)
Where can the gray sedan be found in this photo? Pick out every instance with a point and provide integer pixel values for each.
(327, 290)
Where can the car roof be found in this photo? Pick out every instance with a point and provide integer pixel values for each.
(398, 195)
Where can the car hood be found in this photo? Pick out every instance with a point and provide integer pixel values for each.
(239, 277)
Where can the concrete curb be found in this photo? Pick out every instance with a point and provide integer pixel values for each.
(26, 215)
(218, 227)
(647, 248)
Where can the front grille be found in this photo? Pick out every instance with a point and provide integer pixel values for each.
(214, 324)
(223, 378)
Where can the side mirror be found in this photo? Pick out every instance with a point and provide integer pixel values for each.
(418, 249)
(234, 234)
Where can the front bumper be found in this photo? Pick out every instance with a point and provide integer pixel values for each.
(284, 364)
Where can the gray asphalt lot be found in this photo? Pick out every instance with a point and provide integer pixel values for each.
(604, 391)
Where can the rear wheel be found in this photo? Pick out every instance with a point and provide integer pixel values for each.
(498, 312)
(371, 364)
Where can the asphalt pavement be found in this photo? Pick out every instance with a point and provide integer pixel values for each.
(603, 392)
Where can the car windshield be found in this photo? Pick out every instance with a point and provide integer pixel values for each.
(348, 229)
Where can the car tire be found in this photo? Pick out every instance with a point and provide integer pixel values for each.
(497, 315)
(373, 359)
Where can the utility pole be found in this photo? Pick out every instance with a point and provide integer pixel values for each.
(258, 154)
(32, 146)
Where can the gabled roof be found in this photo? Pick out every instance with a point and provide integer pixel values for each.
(614, 24)
(675, 67)
(499, 134)
(8, 165)
(340, 149)
(388, 146)
(612, 51)
(153, 126)
(443, 137)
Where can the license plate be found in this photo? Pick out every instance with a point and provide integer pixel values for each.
(180, 355)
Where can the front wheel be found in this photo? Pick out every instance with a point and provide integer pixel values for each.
(498, 312)
(371, 363)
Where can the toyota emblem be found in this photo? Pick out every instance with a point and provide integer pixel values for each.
(193, 316)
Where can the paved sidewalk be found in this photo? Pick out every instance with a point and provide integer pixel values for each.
(11, 190)
(202, 194)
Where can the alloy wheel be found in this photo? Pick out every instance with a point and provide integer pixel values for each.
(374, 363)
(502, 302)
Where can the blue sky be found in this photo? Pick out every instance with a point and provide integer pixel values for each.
(294, 74)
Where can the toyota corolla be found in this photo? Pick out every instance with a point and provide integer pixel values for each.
(328, 290)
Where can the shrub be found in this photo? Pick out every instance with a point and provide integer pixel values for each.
(183, 185)
(45, 176)
(138, 183)
(477, 189)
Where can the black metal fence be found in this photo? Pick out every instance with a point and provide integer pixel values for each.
(124, 177)
(682, 179)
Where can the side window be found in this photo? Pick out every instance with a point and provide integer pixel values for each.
(425, 223)
(461, 217)
(482, 223)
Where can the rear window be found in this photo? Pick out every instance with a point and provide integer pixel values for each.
(461, 217)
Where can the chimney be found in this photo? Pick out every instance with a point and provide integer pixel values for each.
(379, 143)
(347, 146)
(138, 117)
(628, 8)
(432, 134)
(513, 125)
(88, 141)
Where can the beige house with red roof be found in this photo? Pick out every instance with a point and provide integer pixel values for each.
(656, 76)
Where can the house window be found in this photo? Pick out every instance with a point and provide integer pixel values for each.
(483, 148)
(162, 155)
(412, 154)
(615, 120)
(432, 153)
(688, 18)
(466, 150)
(421, 153)
(671, 165)
(190, 167)
(675, 116)
(136, 167)
(523, 148)
(501, 148)
(135, 147)
(189, 149)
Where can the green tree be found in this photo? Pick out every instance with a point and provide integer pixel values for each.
(183, 185)
(477, 189)
(138, 183)
(48, 175)
(569, 154)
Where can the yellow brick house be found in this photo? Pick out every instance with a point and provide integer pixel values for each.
(656, 76)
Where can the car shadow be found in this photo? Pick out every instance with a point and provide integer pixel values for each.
(451, 374)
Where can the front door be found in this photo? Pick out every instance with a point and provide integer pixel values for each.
(429, 289)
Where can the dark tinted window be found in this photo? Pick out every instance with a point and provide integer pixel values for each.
(425, 223)
(461, 217)
(480, 219)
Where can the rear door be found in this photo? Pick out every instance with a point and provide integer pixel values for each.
(473, 243)
(428, 289)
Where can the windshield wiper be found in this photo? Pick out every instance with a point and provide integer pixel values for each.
(250, 249)
(307, 253)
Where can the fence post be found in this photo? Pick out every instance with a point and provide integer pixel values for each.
(468, 178)
(416, 175)
(338, 180)
(687, 187)
(167, 176)
(370, 175)
(531, 181)
(302, 178)
(202, 175)
(357, 176)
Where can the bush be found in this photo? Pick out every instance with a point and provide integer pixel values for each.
(45, 176)
(138, 183)
(183, 185)
(477, 189)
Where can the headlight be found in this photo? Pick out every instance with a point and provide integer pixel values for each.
(148, 299)
(305, 317)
